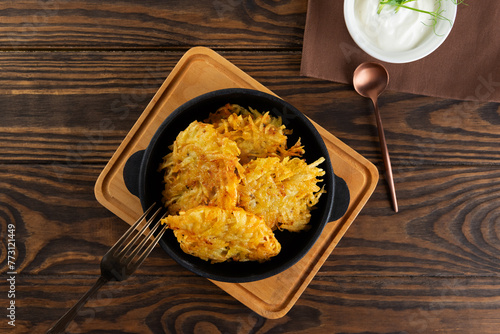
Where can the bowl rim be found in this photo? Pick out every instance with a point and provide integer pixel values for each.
(423, 50)
(330, 183)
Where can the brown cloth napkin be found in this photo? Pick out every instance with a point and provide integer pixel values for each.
(465, 67)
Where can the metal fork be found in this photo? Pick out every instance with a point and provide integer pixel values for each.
(120, 261)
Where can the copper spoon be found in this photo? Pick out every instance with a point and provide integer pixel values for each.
(370, 80)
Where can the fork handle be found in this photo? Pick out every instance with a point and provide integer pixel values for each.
(64, 321)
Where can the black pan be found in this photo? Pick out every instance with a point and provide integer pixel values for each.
(143, 180)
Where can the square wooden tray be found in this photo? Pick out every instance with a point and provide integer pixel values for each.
(202, 70)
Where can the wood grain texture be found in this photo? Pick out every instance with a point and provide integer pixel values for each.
(177, 24)
(448, 225)
(145, 304)
(79, 106)
(77, 74)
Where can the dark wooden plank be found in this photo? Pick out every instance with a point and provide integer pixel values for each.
(405, 304)
(60, 228)
(152, 24)
(158, 304)
(447, 225)
(78, 106)
(76, 76)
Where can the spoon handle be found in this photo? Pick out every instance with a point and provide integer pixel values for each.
(385, 155)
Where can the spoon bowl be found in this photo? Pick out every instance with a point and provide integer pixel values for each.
(370, 80)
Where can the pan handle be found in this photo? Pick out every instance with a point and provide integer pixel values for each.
(341, 199)
(131, 172)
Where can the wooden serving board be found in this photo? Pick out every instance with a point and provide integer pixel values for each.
(202, 70)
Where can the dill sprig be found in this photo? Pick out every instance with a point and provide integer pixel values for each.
(435, 15)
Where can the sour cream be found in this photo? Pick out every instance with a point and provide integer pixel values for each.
(394, 31)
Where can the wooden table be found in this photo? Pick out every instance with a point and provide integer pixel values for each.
(77, 75)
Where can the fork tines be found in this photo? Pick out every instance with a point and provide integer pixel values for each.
(137, 243)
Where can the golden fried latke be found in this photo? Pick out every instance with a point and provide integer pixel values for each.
(281, 192)
(200, 170)
(257, 135)
(231, 181)
(218, 235)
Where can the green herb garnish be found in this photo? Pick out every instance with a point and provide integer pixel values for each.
(435, 15)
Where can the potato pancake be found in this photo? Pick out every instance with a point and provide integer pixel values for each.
(257, 135)
(282, 192)
(218, 235)
(231, 181)
(200, 170)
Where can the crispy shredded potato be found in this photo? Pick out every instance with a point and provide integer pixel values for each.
(281, 192)
(257, 135)
(200, 170)
(218, 235)
(231, 181)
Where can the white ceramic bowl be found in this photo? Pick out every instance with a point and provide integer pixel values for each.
(431, 42)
